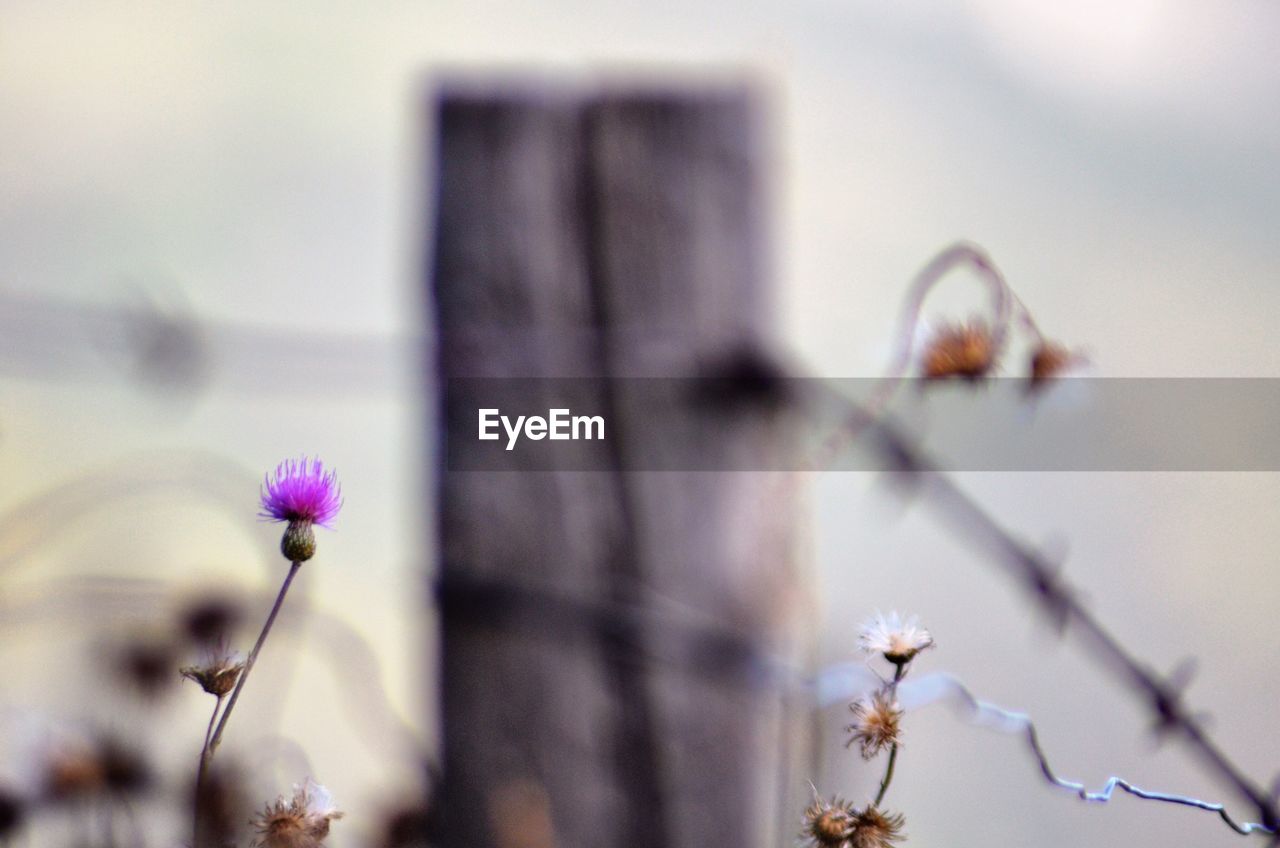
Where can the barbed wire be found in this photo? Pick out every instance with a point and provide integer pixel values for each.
(1061, 604)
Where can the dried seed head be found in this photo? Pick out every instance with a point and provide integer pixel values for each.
(124, 770)
(11, 813)
(828, 824)
(874, 829)
(209, 620)
(218, 675)
(73, 772)
(966, 351)
(73, 764)
(406, 827)
(876, 724)
(897, 640)
(301, 822)
(1049, 361)
(146, 666)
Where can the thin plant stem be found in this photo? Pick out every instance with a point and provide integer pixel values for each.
(200, 774)
(893, 749)
(888, 774)
(253, 657)
(209, 730)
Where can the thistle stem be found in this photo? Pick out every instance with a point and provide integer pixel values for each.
(893, 749)
(248, 664)
(888, 773)
(200, 774)
(208, 731)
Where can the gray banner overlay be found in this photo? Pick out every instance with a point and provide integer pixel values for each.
(669, 424)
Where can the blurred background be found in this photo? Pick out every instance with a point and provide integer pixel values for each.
(212, 222)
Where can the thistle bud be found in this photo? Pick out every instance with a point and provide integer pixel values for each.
(299, 542)
(303, 494)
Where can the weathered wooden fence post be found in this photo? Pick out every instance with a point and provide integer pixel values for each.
(604, 630)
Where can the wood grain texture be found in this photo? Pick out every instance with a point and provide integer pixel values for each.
(608, 234)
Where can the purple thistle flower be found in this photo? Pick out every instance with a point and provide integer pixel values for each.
(301, 492)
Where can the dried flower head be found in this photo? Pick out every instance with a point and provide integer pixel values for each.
(966, 351)
(896, 640)
(405, 827)
(210, 619)
(12, 813)
(876, 724)
(218, 674)
(73, 771)
(125, 770)
(146, 666)
(874, 829)
(301, 822)
(1048, 361)
(303, 494)
(828, 824)
(81, 767)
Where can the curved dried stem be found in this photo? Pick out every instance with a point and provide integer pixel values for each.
(1003, 301)
(899, 672)
(216, 739)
